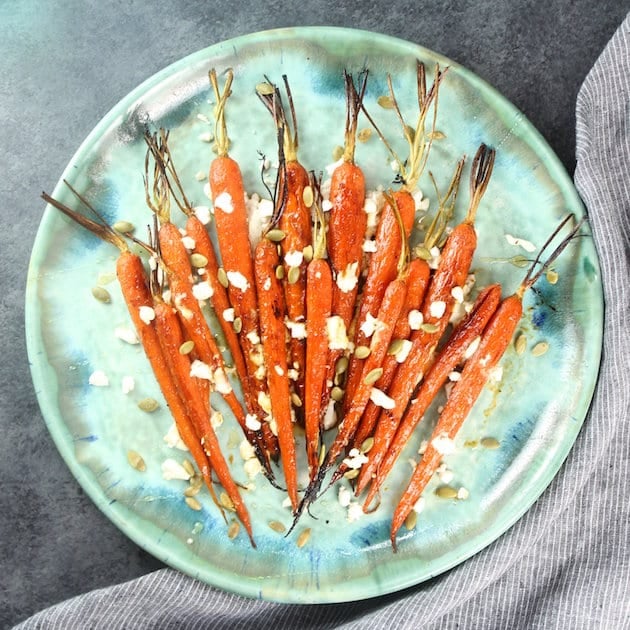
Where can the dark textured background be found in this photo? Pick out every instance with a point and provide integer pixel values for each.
(63, 66)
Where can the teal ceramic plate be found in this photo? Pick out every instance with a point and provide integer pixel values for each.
(535, 413)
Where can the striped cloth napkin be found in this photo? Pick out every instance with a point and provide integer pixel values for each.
(566, 562)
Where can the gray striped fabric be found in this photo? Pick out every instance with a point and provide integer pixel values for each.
(566, 562)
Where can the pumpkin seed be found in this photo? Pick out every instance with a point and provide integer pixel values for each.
(540, 348)
(188, 467)
(437, 135)
(336, 393)
(198, 261)
(191, 491)
(337, 153)
(149, 405)
(352, 473)
(193, 504)
(222, 278)
(367, 445)
(136, 461)
(490, 442)
(520, 345)
(423, 252)
(265, 89)
(429, 328)
(277, 526)
(106, 278)
(296, 400)
(322, 454)
(395, 346)
(307, 196)
(276, 235)
(233, 530)
(101, 294)
(385, 101)
(307, 252)
(302, 539)
(364, 135)
(411, 520)
(446, 492)
(373, 376)
(279, 272)
(237, 324)
(226, 502)
(342, 365)
(552, 276)
(362, 352)
(187, 347)
(519, 261)
(294, 275)
(123, 226)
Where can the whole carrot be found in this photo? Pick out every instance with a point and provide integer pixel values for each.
(452, 271)
(494, 342)
(450, 356)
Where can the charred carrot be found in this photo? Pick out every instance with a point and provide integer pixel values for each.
(272, 312)
(450, 356)
(452, 271)
(387, 243)
(494, 342)
(318, 310)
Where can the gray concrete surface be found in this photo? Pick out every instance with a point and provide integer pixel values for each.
(65, 64)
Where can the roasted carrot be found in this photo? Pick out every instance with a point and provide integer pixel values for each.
(452, 271)
(494, 342)
(450, 356)
(387, 243)
(318, 310)
(272, 312)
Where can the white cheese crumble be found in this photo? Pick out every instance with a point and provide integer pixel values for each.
(369, 246)
(224, 202)
(463, 494)
(458, 294)
(294, 259)
(293, 374)
(330, 419)
(381, 399)
(347, 280)
(228, 315)
(369, 325)
(174, 470)
(98, 378)
(264, 401)
(252, 422)
(455, 376)
(344, 496)
(203, 214)
(443, 444)
(496, 374)
(437, 308)
(221, 382)
(355, 512)
(297, 329)
(188, 242)
(202, 291)
(126, 334)
(147, 314)
(403, 353)
(128, 384)
(199, 369)
(336, 331)
(434, 261)
(520, 242)
(278, 370)
(415, 319)
(246, 450)
(267, 284)
(252, 467)
(472, 348)
(173, 439)
(216, 419)
(252, 336)
(445, 474)
(327, 205)
(238, 280)
(355, 459)
(419, 506)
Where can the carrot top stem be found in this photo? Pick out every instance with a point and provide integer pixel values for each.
(354, 103)
(479, 179)
(404, 257)
(319, 226)
(221, 138)
(157, 188)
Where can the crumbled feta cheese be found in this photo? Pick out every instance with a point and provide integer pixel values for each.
(221, 382)
(419, 506)
(443, 444)
(437, 308)
(297, 329)
(381, 399)
(336, 331)
(355, 512)
(330, 419)
(246, 450)
(252, 422)
(147, 314)
(435, 257)
(199, 369)
(445, 474)
(293, 374)
(463, 494)
(355, 459)
(455, 376)
(188, 242)
(273, 425)
(128, 384)
(228, 315)
(496, 374)
(423, 447)
(267, 284)
(472, 348)
(202, 291)
(458, 294)
(260, 372)
(293, 259)
(98, 378)
(369, 246)
(415, 319)
(173, 439)
(224, 202)
(369, 325)
(216, 419)
(252, 336)
(203, 214)
(278, 370)
(403, 353)
(173, 470)
(327, 205)
(520, 242)
(238, 280)
(344, 496)
(126, 334)
(347, 280)
(264, 401)
(252, 467)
